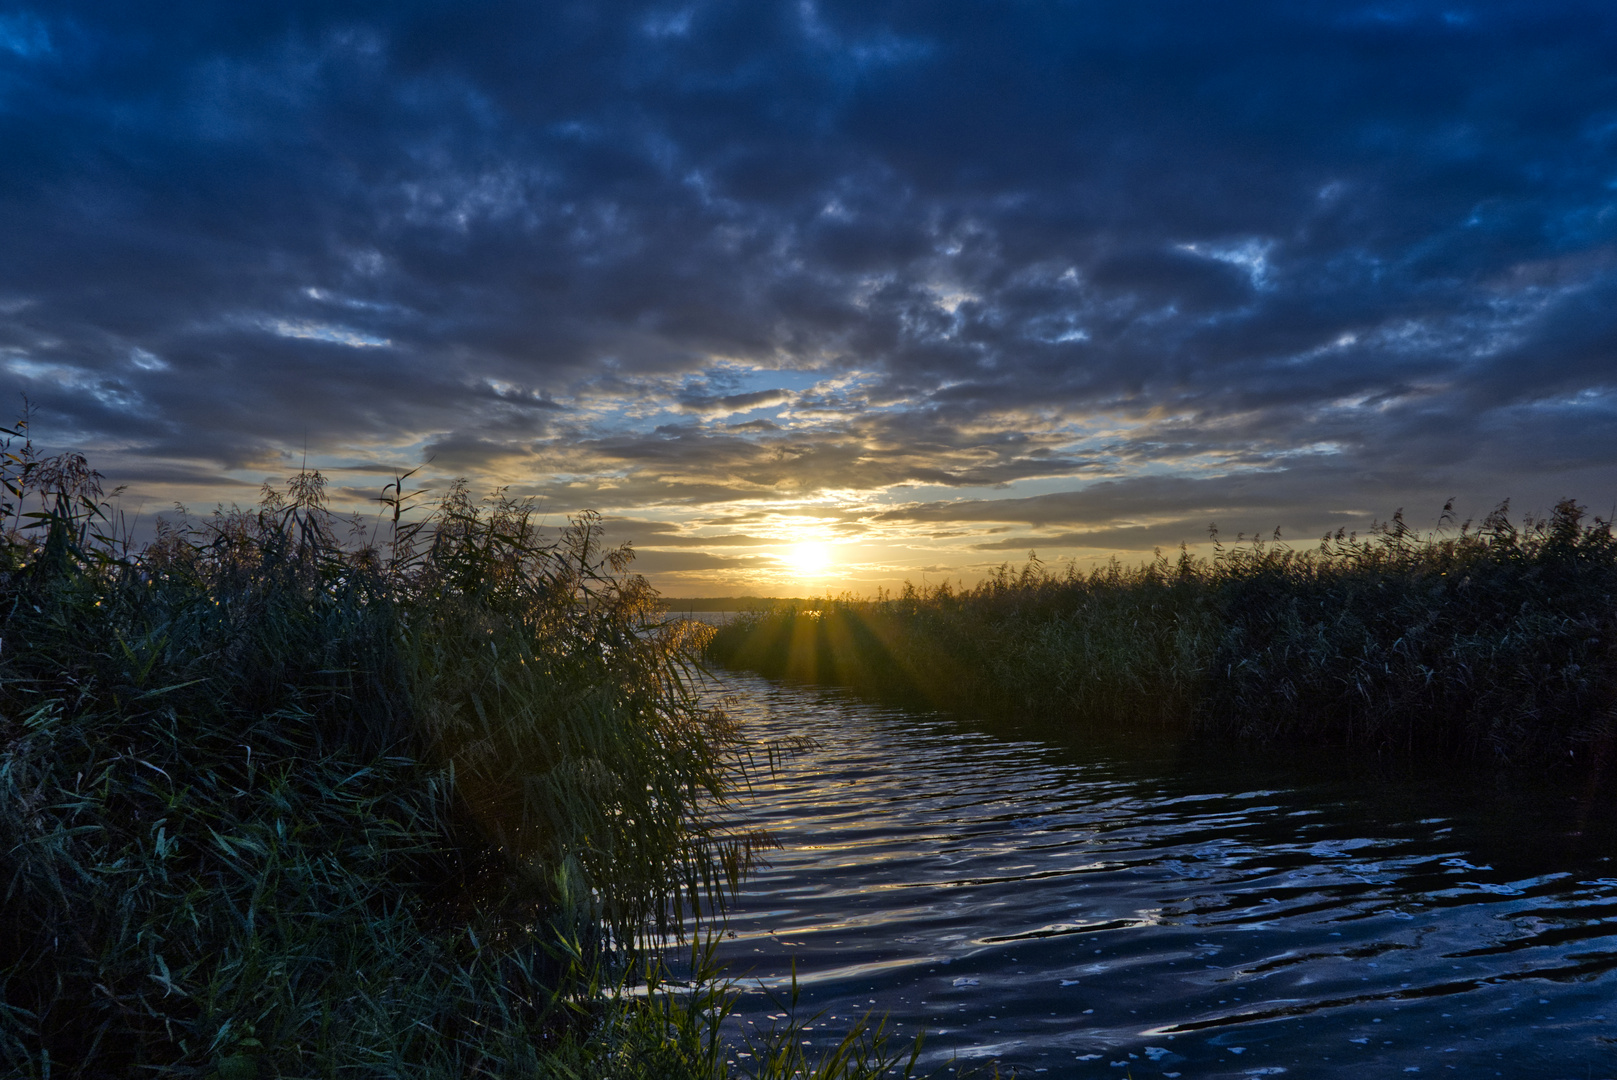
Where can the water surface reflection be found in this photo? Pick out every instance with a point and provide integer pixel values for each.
(1115, 909)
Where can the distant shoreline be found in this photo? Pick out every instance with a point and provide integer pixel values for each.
(737, 603)
(1490, 642)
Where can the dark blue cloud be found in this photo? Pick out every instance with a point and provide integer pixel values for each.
(1371, 245)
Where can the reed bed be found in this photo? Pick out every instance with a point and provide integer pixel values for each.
(1489, 641)
(404, 802)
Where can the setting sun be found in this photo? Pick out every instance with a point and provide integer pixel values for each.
(808, 559)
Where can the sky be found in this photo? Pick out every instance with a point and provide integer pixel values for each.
(810, 297)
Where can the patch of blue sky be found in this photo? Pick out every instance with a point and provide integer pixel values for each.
(614, 417)
(740, 377)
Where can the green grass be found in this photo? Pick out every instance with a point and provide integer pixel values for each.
(1491, 642)
(281, 797)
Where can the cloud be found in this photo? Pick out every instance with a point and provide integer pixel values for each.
(664, 562)
(663, 534)
(337, 335)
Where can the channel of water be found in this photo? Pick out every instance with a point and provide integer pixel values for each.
(1126, 907)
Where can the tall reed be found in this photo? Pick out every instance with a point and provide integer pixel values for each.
(276, 801)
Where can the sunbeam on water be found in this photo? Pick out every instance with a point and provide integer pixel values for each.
(1117, 911)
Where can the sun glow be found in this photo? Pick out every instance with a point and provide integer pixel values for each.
(808, 560)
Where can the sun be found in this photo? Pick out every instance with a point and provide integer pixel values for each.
(808, 559)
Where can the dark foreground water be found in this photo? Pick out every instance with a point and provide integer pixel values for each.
(1108, 909)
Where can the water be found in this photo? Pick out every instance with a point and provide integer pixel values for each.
(1141, 910)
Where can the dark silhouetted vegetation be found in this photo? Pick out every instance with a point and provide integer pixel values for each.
(276, 801)
(734, 603)
(1492, 641)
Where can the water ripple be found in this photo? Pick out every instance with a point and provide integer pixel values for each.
(1133, 910)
